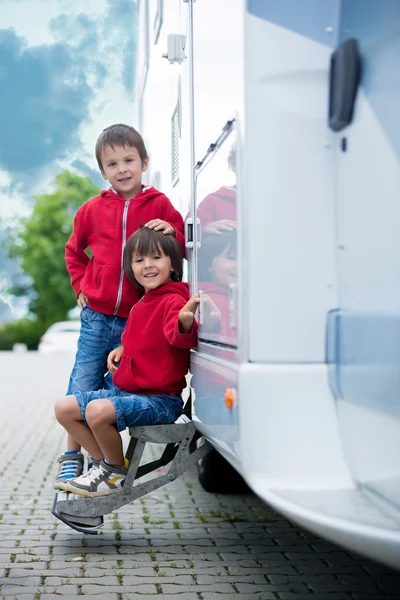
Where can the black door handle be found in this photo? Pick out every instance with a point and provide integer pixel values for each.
(345, 71)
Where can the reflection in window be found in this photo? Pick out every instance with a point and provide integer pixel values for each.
(175, 137)
(217, 255)
(175, 145)
(143, 48)
(158, 21)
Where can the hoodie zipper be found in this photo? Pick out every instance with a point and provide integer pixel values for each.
(121, 278)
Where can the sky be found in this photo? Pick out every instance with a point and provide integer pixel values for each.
(66, 72)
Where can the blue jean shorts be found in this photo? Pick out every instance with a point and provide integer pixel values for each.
(134, 409)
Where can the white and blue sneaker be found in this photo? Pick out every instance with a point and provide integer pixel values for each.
(70, 466)
(100, 480)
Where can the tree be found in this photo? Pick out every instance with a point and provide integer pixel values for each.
(39, 242)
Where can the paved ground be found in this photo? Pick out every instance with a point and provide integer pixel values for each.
(179, 542)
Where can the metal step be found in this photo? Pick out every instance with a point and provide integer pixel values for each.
(86, 514)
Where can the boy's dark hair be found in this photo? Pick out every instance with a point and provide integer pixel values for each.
(211, 247)
(146, 241)
(120, 135)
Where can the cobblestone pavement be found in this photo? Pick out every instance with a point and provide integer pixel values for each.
(178, 542)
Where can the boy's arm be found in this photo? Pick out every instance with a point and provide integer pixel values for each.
(76, 258)
(180, 326)
(174, 217)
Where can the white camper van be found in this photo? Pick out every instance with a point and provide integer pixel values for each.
(273, 126)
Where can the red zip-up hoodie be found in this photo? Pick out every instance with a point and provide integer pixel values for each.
(103, 224)
(156, 354)
(219, 205)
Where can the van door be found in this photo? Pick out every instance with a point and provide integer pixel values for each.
(364, 334)
(218, 51)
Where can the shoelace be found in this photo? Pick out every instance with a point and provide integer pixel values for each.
(69, 469)
(92, 476)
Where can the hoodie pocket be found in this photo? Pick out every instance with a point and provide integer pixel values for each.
(101, 282)
(123, 377)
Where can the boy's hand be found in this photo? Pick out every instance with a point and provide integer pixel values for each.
(114, 357)
(216, 227)
(186, 314)
(82, 300)
(212, 315)
(159, 225)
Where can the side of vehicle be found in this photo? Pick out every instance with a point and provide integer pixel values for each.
(60, 337)
(292, 243)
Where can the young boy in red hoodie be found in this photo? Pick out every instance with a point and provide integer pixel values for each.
(153, 361)
(104, 294)
(217, 211)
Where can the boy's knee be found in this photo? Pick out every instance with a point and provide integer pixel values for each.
(100, 412)
(64, 407)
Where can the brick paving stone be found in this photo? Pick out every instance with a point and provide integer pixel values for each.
(178, 542)
(21, 596)
(334, 596)
(368, 596)
(366, 586)
(77, 597)
(95, 589)
(182, 595)
(217, 588)
(255, 596)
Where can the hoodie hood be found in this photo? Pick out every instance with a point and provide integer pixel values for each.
(227, 193)
(172, 287)
(148, 193)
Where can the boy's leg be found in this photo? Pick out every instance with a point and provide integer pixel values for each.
(70, 464)
(106, 417)
(107, 412)
(69, 414)
(110, 475)
(99, 333)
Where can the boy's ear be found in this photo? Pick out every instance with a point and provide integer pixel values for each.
(103, 174)
(145, 164)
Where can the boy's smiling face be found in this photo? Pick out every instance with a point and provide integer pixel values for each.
(123, 168)
(224, 268)
(152, 270)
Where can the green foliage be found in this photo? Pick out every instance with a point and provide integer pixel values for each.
(25, 331)
(39, 242)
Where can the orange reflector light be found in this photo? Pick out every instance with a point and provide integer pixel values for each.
(230, 398)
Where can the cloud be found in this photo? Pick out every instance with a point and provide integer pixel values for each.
(122, 16)
(111, 40)
(94, 175)
(82, 34)
(129, 65)
(45, 97)
(54, 96)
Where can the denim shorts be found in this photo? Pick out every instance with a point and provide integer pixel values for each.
(99, 335)
(135, 409)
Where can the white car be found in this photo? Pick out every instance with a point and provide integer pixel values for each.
(60, 337)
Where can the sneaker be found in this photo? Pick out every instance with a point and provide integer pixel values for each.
(97, 482)
(70, 466)
(91, 462)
